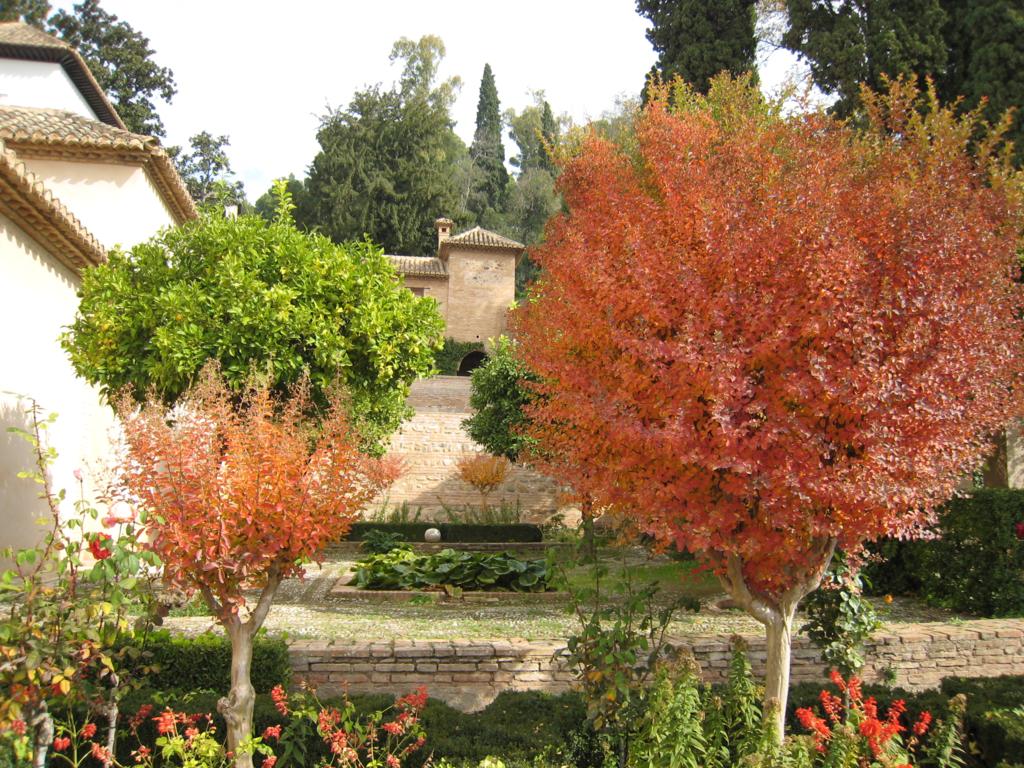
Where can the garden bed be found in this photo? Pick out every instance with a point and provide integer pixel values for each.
(343, 589)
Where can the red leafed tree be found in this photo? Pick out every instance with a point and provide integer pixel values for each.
(763, 337)
(238, 496)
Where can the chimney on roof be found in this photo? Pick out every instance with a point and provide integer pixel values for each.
(444, 229)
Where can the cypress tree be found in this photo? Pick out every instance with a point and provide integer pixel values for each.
(696, 39)
(487, 151)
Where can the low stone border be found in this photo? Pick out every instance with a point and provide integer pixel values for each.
(470, 674)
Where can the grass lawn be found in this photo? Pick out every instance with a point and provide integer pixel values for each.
(305, 608)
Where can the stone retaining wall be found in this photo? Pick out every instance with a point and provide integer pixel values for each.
(469, 674)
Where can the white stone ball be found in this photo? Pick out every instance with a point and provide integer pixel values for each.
(432, 535)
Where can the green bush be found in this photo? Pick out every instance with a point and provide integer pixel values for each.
(454, 533)
(448, 358)
(401, 568)
(381, 542)
(977, 564)
(203, 662)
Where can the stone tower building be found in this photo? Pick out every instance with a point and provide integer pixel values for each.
(472, 278)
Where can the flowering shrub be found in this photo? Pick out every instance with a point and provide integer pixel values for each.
(65, 606)
(384, 740)
(484, 472)
(854, 732)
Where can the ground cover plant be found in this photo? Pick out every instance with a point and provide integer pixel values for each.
(402, 568)
(835, 334)
(239, 495)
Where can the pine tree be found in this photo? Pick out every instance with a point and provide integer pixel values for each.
(487, 151)
(696, 39)
(850, 42)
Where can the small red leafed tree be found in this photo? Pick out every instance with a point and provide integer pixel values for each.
(765, 337)
(239, 495)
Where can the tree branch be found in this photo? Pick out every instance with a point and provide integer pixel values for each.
(259, 613)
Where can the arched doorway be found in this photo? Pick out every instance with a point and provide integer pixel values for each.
(470, 362)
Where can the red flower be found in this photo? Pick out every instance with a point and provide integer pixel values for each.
(832, 705)
(96, 546)
(416, 701)
(270, 761)
(272, 732)
(61, 743)
(101, 753)
(921, 726)
(18, 726)
(140, 717)
(191, 733)
(165, 722)
(280, 699)
(393, 762)
(1019, 530)
(141, 753)
(88, 730)
(395, 729)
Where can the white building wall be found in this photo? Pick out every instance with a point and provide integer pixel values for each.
(40, 84)
(117, 203)
(37, 300)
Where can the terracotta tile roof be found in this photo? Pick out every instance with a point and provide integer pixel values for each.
(480, 238)
(22, 41)
(54, 133)
(420, 266)
(28, 203)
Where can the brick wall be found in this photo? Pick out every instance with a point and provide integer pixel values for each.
(431, 444)
(469, 674)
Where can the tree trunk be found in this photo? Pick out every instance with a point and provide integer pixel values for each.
(776, 679)
(237, 706)
(42, 722)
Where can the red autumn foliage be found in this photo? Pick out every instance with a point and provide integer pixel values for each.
(239, 493)
(764, 336)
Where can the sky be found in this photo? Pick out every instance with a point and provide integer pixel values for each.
(263, 72)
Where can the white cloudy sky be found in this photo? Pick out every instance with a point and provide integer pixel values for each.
(262, 72)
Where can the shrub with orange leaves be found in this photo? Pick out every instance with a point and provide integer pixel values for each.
(484, 472)
(239, 495)
(765, 335)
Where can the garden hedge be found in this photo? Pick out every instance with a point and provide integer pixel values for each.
(203, 662)
(455, 533)
(977, 564)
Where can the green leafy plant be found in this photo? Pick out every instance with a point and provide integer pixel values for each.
(377, 542)
(840, 618)
(401, 568)
(501, 514)
(454, 532)
(499, 393)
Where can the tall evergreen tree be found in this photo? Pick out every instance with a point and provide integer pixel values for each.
(696, 39)
(385, 166)
(849, 42)
(985, 41)
(487, 151)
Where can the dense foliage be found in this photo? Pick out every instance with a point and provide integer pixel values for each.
(488, 153)
(852, 42)
(834, 335)
(206, 171)
(384, 169)
(448, 358)
(402, 568)
(499, 393)
(695, 40)
(975, 562)
(255, 296)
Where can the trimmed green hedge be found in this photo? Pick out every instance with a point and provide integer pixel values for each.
(203, 662)
(454, 533)
(977, 565)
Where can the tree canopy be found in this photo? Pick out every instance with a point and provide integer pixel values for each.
(695, 39)
(121, 60)
(498, 396)
(834, 335)
(385, 166)
(260, 296)
(487, 150)
(206, 170)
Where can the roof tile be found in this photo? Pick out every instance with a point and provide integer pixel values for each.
(482, 238)
(419, 266)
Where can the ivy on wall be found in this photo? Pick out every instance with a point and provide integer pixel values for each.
(451, 354)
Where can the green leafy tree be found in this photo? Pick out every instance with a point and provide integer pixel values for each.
(498, 395)
(206, 170)
(535, 130)
(256, 295)
(266, 204)
(487, 151)
(385, 166)
(986, 59)
(32, 12)
(696, 40)
(121, 60)
(850, 42)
